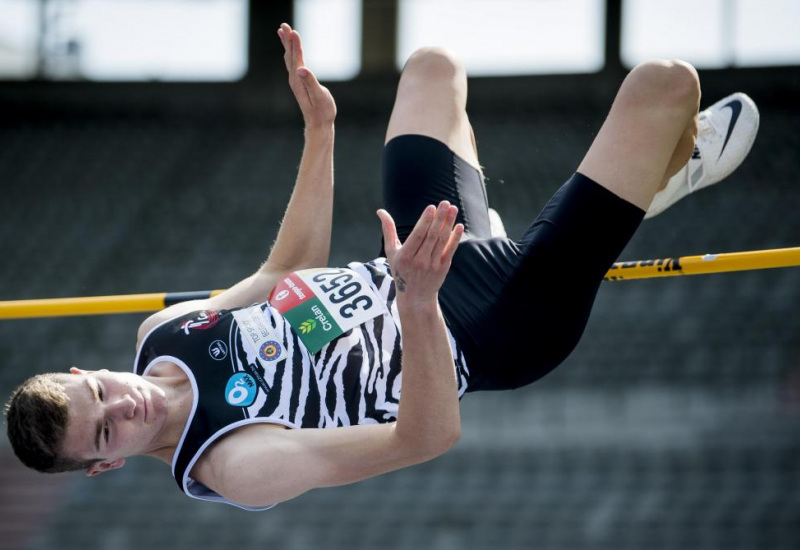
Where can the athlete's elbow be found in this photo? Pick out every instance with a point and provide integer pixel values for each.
(441, 443)
(423, 441)
(452, 438)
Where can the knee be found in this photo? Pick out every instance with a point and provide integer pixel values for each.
(433, 63)
(670, 84)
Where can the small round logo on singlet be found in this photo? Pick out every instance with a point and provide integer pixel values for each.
(241, 390)
(269, 350)
(218, 350)
(281, 295)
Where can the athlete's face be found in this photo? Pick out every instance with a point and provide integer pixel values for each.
(112, 415)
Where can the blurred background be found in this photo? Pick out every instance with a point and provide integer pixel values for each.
(151, 146)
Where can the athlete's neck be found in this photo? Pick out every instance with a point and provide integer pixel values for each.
(179, 399)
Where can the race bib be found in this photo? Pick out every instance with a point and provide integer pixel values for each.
(259, 337)
(321, 304)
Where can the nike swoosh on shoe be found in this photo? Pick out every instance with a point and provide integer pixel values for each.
(736, 109)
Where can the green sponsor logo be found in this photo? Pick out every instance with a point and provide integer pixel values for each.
(307, 326)
(313, 323)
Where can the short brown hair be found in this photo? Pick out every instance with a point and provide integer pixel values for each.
(37, 416)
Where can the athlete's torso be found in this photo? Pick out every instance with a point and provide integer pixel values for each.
(251, 365)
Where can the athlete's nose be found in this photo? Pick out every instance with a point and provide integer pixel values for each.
(124, 407)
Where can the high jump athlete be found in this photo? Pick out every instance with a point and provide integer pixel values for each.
(303, 376)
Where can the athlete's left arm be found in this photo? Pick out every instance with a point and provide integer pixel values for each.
(304, 238)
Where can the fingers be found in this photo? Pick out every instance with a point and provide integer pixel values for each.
(452, 244)
(311, 84)
(439, 235)
(390, 240)
(302, 81)
(297, 49)
(284, 33)
(292, 48)
(420, 231)
(434, 238)
(425, 258)
(444, 233)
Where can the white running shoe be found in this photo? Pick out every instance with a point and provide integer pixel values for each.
(725, 134)
(496, 224)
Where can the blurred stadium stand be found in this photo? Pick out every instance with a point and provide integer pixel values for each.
(675, 424)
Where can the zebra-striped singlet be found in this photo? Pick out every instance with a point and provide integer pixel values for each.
(354, 379)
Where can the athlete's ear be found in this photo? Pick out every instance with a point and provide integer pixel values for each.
(76, 370)
(104, 466)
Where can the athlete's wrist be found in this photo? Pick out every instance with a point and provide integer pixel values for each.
(409, 304)
(319, 131)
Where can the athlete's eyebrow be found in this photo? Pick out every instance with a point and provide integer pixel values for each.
(99, 428)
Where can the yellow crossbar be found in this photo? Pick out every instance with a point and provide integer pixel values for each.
(643, 269)
(97, 305)
(707, 263)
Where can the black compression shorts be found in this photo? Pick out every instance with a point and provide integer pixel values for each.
(516, 308)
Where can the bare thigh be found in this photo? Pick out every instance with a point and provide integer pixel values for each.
(431, 101)
(631, 154)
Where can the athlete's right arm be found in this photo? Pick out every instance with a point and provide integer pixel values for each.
(254, 466)
(257, 467)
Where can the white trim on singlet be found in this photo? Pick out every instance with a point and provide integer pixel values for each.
(191, 487)
(197, 490)
(195, 398)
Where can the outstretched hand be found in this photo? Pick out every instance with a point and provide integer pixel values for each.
(420, 264)
(315, 100)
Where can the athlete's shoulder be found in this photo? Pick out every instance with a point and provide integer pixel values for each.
(165, 315)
